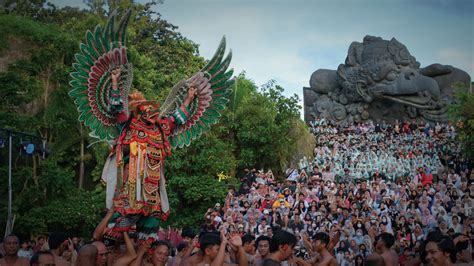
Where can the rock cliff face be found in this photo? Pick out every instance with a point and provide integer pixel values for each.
(18, 49)
(381, 80)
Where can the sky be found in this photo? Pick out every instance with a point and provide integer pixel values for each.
(288, 40)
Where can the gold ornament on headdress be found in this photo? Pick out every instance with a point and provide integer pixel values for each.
(136, 98)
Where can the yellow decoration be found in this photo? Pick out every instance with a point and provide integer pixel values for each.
(221, 176)
(142, 160)
(133, 148)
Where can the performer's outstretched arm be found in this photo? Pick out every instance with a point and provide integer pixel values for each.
(182, 113)
(130, 255)
(219, 260)
(100, 229)
(142, 249)
(115, 98)
(241, 257)
(192, 91)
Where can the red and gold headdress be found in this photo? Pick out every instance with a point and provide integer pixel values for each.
(136, 100)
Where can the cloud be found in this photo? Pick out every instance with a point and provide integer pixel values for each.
(457, 58)
(450, 54)
(263, 52)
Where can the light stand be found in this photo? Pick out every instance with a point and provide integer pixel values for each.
(9, 227)
(10, 133)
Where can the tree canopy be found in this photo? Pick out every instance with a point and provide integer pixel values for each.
(462, 116)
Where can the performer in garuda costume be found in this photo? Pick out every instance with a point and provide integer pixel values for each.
(142, 133)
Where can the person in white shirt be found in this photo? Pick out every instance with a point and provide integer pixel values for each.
(455, 224)
(25, 250)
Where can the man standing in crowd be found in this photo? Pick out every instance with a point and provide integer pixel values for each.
(212, 248)
(55, 240)
(439, 250)
(42, 258)
(182, 251)
(281, 247)
(463, 256)
(188, 235)
(161, 254)
(248, 242)
(87, 255)
(320, 244)
(383, 243)
(263, 248)
(102, 253)
(11, 245)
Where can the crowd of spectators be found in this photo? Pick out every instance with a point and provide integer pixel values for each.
(366, 180)
(371, 194)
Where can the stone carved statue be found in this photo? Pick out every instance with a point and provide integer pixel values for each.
(381, 80)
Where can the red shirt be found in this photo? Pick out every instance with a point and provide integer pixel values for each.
(426, 179)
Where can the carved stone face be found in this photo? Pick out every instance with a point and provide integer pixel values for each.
(330, 110)
(379, 69)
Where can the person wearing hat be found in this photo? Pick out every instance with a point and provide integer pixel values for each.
(281, 202)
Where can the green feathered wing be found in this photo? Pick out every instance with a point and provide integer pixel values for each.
(97, 102)
(214, 87)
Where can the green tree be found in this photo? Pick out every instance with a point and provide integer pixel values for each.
(275, 135)
(192, 178)
(462, 116)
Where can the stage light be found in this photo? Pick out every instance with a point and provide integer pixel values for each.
(27, 148)
(30, 148)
